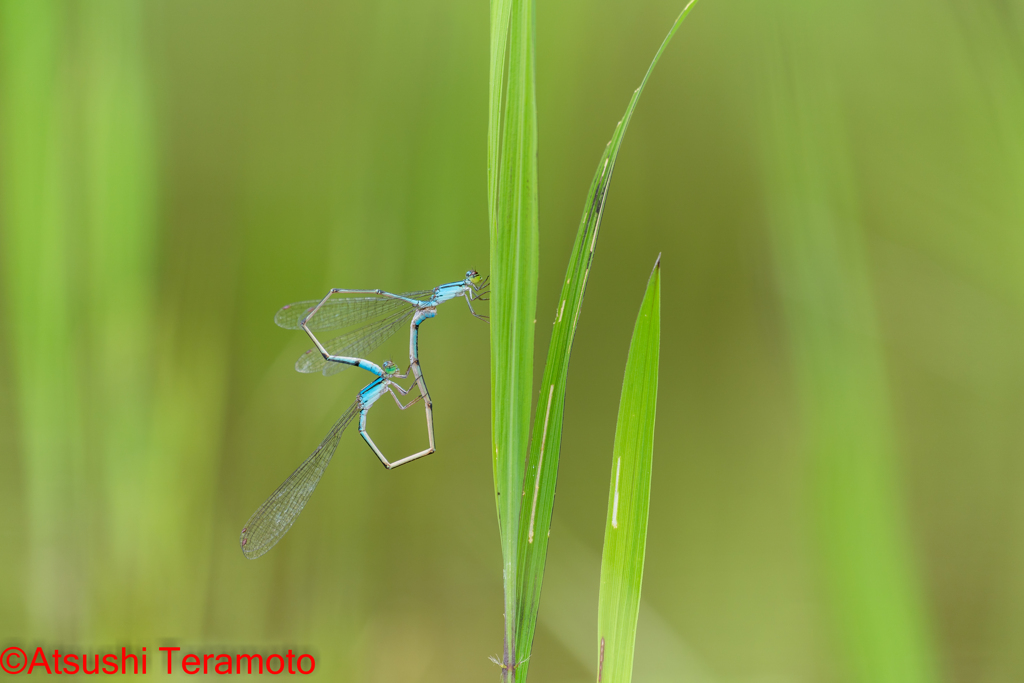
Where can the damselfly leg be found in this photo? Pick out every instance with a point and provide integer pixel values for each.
(373, 446)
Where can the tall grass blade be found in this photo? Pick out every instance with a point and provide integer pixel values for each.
(121, 217)
(36, 252)
(629, 496)
(512, 194)
(542, 467)
(821, 263)
(79, 225)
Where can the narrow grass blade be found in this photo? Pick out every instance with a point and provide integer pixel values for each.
(512, 194)
(121, 217)
(878, 619)
(629, 497)
(542, 467)
(36, 254)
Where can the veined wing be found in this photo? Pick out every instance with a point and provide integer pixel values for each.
(359, 343)
(344, 311)
(274, 518)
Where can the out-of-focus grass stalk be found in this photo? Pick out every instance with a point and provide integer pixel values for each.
(188, 423)
(545, 446)
(995, 35)
(629, 495)
(120, 172)
(874, 596)
(512, 208)
(41, 291)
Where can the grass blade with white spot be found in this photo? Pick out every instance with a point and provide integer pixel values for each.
(629, 497)
(542, 466)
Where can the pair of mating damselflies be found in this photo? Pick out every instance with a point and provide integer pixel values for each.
(375, 318)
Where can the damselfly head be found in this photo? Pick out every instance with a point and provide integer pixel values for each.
(473, 276)
(390, 368)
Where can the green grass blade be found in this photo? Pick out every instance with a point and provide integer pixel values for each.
(629, 496)
(512, 188)
(542, 467)
(874, 597)
(501, 11)
(121, 219)
(36, 254)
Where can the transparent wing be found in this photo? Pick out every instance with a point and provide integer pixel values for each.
(359, 343)
(343, 311)
(274, 518)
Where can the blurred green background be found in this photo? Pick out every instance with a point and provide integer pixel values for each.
(838, 192)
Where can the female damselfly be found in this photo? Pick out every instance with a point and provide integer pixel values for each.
(274, 518)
